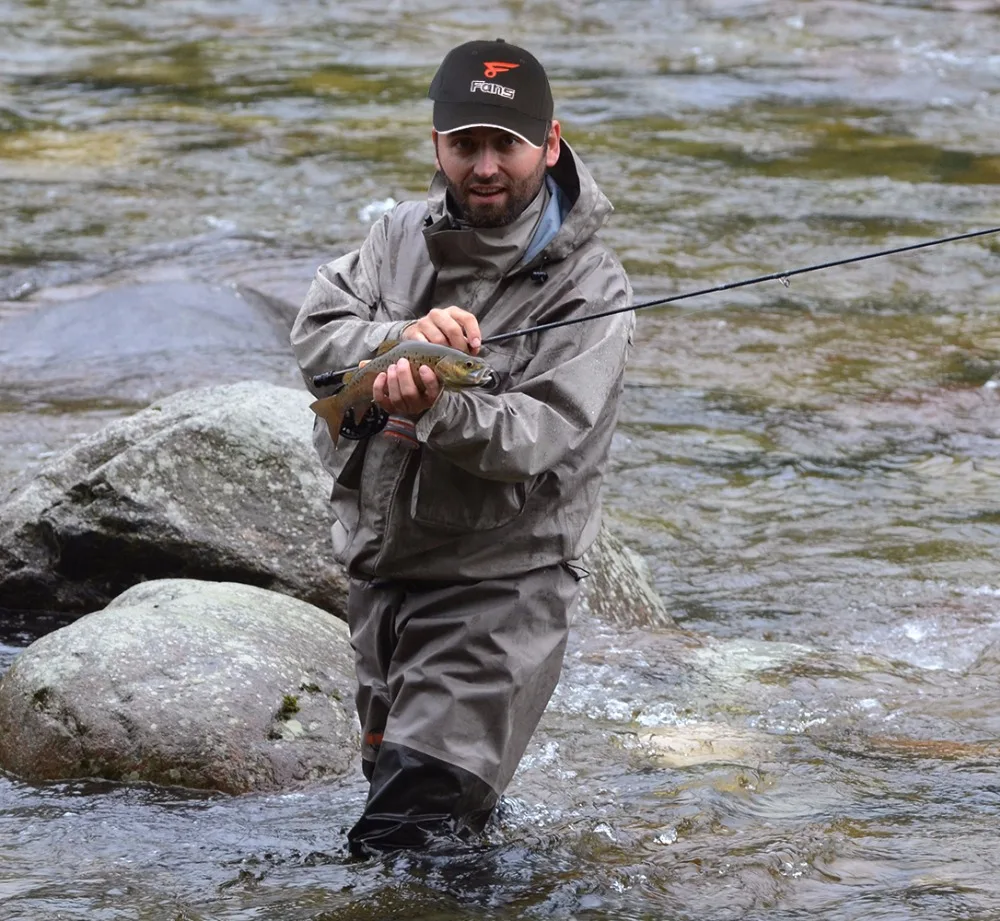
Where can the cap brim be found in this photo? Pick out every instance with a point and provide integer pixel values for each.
(450, 117)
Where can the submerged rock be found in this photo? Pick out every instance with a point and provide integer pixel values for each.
(213, 686)
(220, 483)
(693, 743)
(136, 343)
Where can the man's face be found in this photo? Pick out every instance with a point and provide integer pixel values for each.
(492, 174)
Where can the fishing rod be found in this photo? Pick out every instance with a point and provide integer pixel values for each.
(328, 378)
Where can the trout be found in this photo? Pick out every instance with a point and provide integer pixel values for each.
(455, 370)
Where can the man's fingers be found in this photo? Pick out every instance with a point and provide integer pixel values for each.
(392, 387)
(427, 327)
(432, 386)
(403, 390)
(470, 328)
(448, 323)
(450, 326)
(399, 390)
(412, 393)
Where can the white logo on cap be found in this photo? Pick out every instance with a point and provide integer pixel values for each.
(494, 89)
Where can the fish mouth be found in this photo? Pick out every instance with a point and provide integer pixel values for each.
(491, 381)
(481, 379)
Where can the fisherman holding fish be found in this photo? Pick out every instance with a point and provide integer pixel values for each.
(466, 478)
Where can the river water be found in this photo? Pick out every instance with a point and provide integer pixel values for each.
(812, 470)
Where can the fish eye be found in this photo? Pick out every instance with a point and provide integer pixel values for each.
(469, 363)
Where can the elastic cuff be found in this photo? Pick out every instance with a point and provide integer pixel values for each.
(395, 330)
(402, 430)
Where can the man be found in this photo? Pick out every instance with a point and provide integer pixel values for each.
(460, 531)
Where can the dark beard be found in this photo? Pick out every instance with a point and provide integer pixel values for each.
(520, 194)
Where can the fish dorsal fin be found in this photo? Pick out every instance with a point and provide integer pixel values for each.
(386, 346)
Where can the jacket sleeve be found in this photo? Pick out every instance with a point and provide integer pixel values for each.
(546, 416)
(335, 328)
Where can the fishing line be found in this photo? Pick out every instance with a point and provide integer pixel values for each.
(328, 378)
(774, 276)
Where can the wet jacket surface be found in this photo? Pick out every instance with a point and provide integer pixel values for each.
(502, 483)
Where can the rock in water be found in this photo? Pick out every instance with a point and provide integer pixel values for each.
(221, 483)
(214, 686)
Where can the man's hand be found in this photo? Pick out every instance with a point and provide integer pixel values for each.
(398, 392)
(448, 326)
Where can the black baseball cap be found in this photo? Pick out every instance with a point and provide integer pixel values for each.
(492, 84)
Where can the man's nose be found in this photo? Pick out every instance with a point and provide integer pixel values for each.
(486, 162)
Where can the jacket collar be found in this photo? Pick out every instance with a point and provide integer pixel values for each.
(490, 250)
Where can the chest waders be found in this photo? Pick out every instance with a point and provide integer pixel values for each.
(452, 681)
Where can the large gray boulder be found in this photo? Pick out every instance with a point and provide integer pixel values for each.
(213, 686)
(220, 483)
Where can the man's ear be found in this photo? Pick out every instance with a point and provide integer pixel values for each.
(434, 141)
(552, 144)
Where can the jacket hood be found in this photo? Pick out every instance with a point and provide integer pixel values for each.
(589, 207)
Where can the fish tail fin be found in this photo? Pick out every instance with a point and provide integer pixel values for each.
(331, 410)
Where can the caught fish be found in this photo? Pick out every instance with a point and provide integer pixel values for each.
(455, 370)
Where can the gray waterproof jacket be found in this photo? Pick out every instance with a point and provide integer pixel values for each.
(502, 483)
